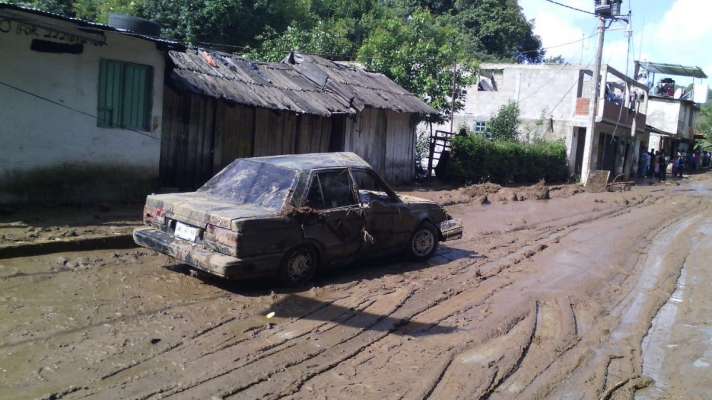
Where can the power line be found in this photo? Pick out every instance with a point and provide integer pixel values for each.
(559, 45)
(570, 7)
(69, 108)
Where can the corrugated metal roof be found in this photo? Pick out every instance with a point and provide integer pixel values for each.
(362, 88)
(311, 86)
(87, 24)
(673, 69)
(274, 86)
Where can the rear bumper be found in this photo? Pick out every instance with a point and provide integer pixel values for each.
(451, 229)
(205, 259)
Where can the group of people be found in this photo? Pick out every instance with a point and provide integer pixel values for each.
(654, 164)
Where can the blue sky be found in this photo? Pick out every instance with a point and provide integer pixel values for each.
(671, 31)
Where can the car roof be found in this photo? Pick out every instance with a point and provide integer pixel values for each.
(306, 162)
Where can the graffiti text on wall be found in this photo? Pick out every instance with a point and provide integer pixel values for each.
(22, 28)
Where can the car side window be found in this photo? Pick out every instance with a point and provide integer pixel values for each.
(330, 189)
(370, 187)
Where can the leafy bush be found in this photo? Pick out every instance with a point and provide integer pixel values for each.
(477, 159)
(503, 126)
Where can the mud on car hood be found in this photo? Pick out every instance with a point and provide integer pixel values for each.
(199, 209)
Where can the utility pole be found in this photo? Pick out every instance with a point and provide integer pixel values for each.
(588, 146)
(454, 95)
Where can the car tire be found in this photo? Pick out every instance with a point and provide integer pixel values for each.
(299, 266)
(424, 242)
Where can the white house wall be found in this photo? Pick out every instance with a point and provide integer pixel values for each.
(664, 114)
(35, 133)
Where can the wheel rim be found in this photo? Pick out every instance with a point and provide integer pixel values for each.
(423, 242)
(299, 266)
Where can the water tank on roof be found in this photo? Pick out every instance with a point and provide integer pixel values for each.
(141, 26)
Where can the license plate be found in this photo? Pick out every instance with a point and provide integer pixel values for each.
(451, 229)
(186, 232)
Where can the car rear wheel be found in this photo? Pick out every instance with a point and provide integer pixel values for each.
(299, 266)
(424, 242)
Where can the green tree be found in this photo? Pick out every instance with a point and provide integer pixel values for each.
(55, 6)
(704, 126)
(503, 126)
(232, 22)
(99, 10)
(328, 40)
(494, 29)
(420, 53)
(498, 28)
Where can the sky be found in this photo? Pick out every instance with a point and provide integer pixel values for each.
(668, 31)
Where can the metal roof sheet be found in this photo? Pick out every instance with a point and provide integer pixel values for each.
(362, 88)
(274, 86)
(673, 69)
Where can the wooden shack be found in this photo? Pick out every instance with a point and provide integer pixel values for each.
(218, 107)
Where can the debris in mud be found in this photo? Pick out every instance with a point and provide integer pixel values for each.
(487, 193)
(155, 340)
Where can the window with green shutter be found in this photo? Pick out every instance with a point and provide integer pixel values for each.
(125, 94)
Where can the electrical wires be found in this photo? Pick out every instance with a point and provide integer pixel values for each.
(570, 7)
(70, 108)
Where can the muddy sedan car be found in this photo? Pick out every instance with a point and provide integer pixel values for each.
(290, 216)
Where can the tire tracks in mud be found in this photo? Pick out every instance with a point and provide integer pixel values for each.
(125, 318)
(615, 367)
(277, 378)
(567, 340)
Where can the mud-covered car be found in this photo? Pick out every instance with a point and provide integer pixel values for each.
(290, 216)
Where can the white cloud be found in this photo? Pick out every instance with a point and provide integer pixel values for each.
(686, 22)
(675, 31)
(557, 35)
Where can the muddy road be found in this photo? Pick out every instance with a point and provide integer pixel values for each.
(593, 296)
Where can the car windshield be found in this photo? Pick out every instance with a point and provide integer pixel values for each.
(252, 182)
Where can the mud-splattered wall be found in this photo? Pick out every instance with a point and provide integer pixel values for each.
(48, 114)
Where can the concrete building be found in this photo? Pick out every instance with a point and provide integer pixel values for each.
(82, 108)
(555, 104)
(673, 108)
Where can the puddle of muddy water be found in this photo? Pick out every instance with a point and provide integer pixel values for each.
(649, 279)
(656, 342)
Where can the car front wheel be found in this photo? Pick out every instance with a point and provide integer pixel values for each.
(299, 266)
(424, 242)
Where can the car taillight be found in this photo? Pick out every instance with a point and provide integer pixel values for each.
(153, 215)
(221, 236)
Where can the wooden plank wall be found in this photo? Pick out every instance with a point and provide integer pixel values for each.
(201, 135)
(187, 139)
(366, 136)
(400, 147)
(234, 130)
(386, 139)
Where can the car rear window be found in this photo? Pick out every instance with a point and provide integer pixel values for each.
(252, 182)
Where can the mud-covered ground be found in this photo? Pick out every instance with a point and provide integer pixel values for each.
(583, 296)
(33, 225)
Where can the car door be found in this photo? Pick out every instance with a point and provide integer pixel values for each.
(384, 213)
(338, 224)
